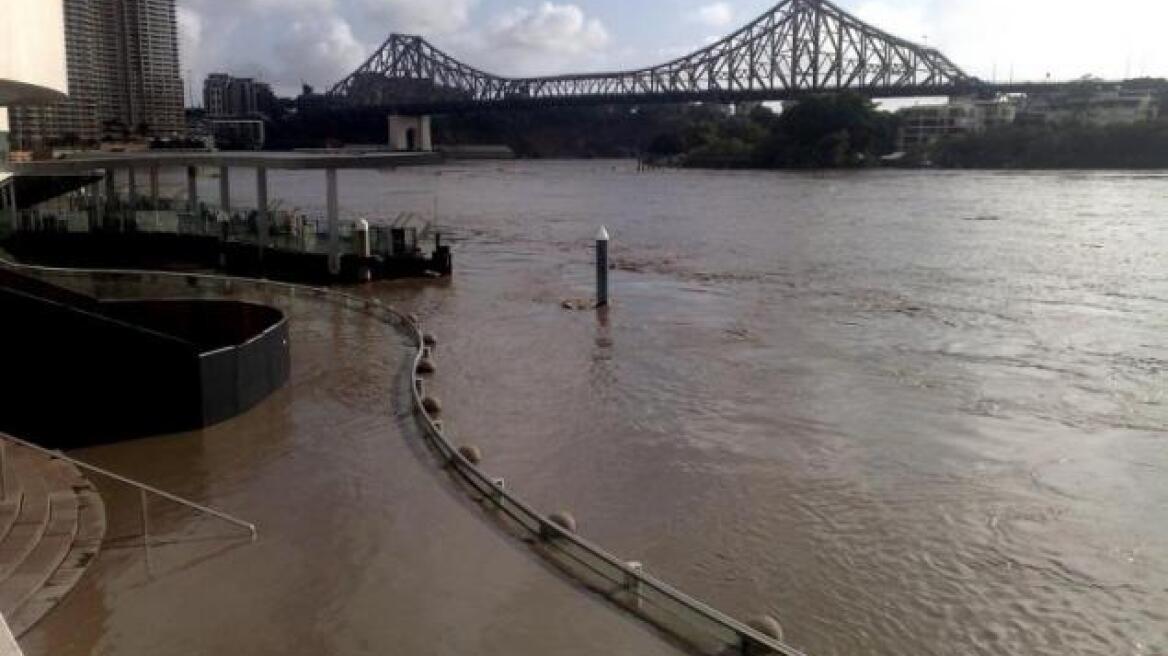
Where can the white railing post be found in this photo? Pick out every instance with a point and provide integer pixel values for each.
(3, 470)
(633, 582)
(145, 521)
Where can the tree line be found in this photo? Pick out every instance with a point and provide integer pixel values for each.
(1083, 146)
(835, 131)
(829, 131)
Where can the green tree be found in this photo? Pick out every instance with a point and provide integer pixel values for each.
(828, 131)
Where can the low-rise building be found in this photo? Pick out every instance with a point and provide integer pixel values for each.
(215, 94)
(1091, 104)
(923, 125)
(236, 97)
(237, 133)
(241, 97)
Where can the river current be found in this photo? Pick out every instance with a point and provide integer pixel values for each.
(903, 412)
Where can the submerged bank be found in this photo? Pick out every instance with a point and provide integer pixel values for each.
(362, 548)
(902, 411)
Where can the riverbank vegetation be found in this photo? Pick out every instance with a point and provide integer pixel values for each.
(1136, 146)
(842, 131)
(826, 132)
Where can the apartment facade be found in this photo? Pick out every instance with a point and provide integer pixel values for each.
(151, 85)
(235, 97)
(924, 125)
(1094, 105)
(215, 89)
(123, 71)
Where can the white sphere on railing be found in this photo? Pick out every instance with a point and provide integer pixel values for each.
(768, 626)
(472, 454)
(564, 520)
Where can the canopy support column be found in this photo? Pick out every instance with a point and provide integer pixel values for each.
(334, 223)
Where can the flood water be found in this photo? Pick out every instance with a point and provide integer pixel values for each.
(904, 413)
(364, 546)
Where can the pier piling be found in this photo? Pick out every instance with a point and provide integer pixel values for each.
(602, 268)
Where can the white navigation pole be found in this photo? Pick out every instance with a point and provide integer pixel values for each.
(602, 268)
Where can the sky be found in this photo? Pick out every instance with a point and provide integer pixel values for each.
(289, 42)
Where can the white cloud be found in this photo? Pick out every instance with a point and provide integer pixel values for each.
(718, 14)
(1034, 37)
(907, 21)
(320, 49)
(190, 32)
(321, 41)
(526, 37)
(311, 42)
(547, 39)
(548, 29)
(428, 17)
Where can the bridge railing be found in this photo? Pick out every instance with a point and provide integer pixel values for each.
(400, 236)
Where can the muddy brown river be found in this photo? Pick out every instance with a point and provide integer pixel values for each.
(903, 412)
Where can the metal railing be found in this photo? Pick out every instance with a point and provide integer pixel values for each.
(625, 583)
(143, 488)
(398, 236)
(632, 585)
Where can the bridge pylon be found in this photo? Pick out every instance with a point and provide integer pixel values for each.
(410, 133)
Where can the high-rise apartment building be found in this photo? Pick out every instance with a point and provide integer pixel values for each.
(123, 71)
(215, 89)
(227, 96)
(149, 95)
(74, 120)
(242, 96)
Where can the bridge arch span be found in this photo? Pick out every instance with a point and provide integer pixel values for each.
(798, 48)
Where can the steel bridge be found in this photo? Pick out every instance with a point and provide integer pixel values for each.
(798, 48)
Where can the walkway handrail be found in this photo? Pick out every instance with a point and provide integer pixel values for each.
(750, 639)
(52, 453)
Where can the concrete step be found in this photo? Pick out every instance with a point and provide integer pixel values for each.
(10, 509)
(33, 517)
(56, 533)
(11, 494)
(47, 555)
(84, 549)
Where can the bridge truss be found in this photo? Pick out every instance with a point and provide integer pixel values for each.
(799, 47)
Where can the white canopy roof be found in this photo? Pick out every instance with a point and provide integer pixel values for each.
(32, 52)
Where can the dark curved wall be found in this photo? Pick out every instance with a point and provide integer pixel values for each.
(76, 372)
